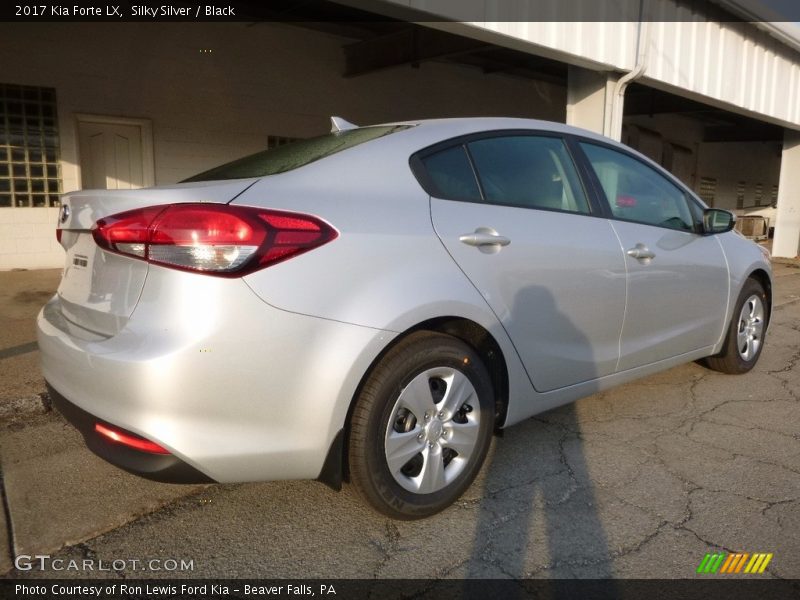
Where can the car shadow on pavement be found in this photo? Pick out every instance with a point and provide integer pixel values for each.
(539, 515)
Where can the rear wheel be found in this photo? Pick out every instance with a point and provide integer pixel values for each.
(421, 426)
(745, 338)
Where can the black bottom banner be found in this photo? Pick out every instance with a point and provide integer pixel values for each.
(356, 589)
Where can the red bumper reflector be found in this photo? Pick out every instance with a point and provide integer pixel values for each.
(129, 440)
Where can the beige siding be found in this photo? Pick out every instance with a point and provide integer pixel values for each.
(731, 64)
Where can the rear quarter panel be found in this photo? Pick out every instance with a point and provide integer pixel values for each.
(387, 270)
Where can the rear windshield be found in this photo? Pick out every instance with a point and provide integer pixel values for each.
(295, 154)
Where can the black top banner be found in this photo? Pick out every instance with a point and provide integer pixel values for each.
(385, 10)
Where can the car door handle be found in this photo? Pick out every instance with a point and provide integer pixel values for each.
(484, 236)
(641, 252)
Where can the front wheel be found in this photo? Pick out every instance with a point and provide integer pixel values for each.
(746, 332)
(421, 426)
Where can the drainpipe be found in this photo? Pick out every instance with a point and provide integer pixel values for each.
(614, 128)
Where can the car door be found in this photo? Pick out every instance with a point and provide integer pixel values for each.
(677, 277)
(512, 212)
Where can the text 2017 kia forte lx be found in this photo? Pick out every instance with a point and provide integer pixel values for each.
(372, 304)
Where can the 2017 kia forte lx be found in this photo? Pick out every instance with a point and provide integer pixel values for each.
(370, 305)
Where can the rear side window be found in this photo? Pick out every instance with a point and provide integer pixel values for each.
(295, 155)
(528, 171)
(636, 192)
(452, 175)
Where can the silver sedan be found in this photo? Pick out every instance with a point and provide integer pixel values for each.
(371, 305)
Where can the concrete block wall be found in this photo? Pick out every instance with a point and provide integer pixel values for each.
(28, 239)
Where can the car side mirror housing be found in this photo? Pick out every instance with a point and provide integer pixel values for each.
(716, 220)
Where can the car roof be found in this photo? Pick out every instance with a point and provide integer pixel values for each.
(452, 127)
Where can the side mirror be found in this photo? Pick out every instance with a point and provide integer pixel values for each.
(716, 220)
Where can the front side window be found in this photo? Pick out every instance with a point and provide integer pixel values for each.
(528, 171)
(636, 192)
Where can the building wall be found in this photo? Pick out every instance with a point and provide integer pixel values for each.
(734, 64)
(28, 239)
(751, 163)
(688, 49)
(214, 92)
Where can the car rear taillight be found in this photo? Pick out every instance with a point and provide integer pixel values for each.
(124, 438)
(216, 239)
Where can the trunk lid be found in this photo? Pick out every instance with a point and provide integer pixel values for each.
(99, 289)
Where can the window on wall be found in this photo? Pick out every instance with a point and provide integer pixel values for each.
(708, 190)
(759, 194)
(29, 170)
(740, 189)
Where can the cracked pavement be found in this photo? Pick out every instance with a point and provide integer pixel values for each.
(638, 482)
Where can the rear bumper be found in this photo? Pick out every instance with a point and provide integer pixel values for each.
(158, 467)
(234, 389)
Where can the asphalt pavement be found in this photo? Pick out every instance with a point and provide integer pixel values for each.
(638, 482)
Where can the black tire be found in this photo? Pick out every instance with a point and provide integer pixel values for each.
(731, 359)
(428, 360)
